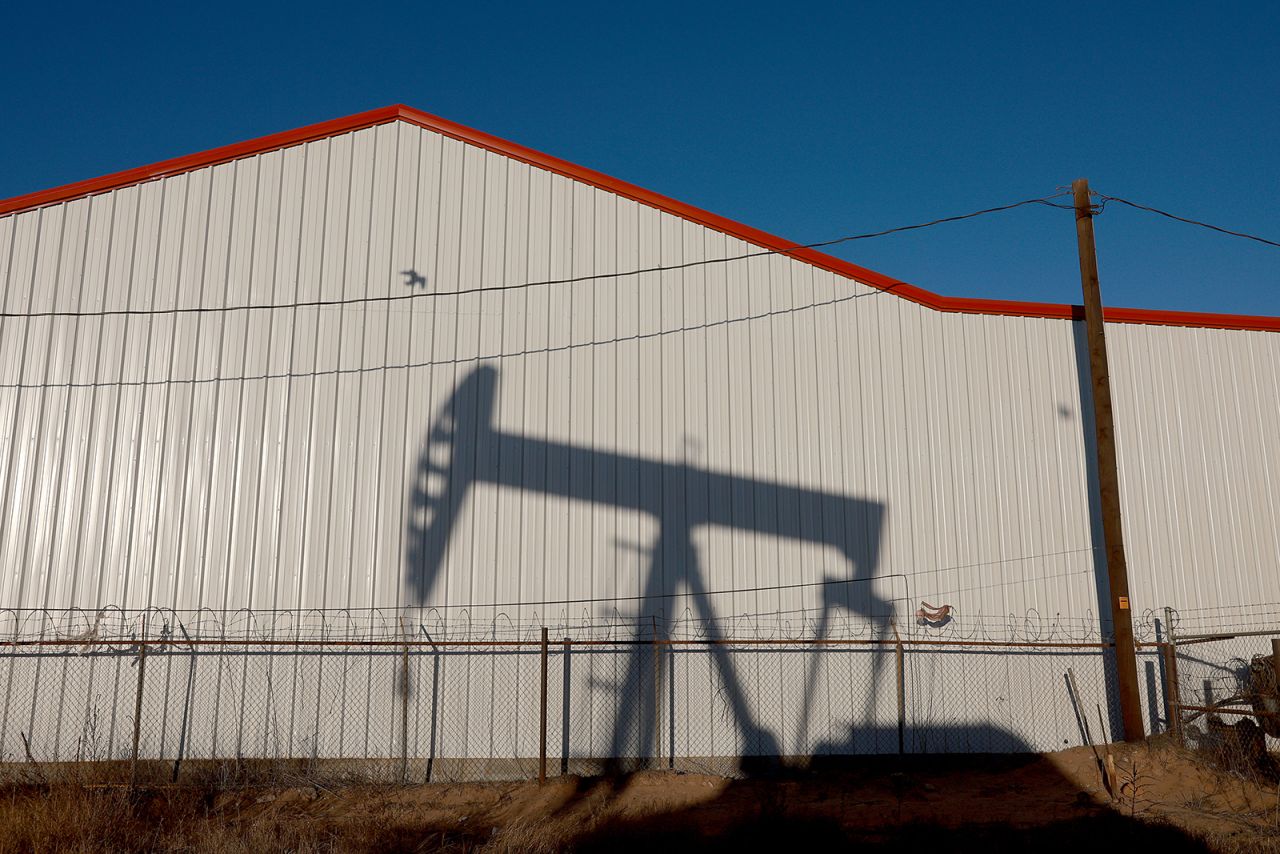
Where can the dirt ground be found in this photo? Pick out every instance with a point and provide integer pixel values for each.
(1166, 800)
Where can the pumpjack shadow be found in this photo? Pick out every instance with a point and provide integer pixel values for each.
(463, 450)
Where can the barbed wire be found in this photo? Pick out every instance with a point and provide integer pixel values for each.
(1251, 616)
(112, 625)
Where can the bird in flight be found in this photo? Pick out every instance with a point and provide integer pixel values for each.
(413, 278)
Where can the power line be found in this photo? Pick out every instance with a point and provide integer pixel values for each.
(772, 588)
(1047, 201)
(501, 353)
(1220, 229)
(128, 312)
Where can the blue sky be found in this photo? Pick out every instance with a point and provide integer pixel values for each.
(809, 121)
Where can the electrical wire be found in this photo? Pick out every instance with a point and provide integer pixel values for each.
(1105, 199)
(826, 582)
(771, 588)
(145, 312)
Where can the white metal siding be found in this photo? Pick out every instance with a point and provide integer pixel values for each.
(260, 459)
(269, 459)
(1198, 433)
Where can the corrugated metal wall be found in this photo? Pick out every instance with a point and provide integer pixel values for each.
(1198, 433)
(551, 452)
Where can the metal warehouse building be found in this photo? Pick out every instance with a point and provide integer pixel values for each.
(390, 378)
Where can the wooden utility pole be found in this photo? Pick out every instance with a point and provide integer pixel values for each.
(1108, 470)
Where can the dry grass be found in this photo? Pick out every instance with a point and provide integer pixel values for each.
(1170, 800)
(69, 818)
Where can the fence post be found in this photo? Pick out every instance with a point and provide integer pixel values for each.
(657, 696)
(137, 703)
(566, 697)
(1172, 693)
(902, 688)
(186, 703)
(542, 726)
(435, 701)
(1275, 668)
(404, 705)
(1275, 659)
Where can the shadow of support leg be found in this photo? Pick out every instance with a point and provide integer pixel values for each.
(760, 750)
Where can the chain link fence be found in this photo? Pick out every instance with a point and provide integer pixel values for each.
(413, 696)
(1221, 669)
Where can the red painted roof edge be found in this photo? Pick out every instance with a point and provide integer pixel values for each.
(938, 302)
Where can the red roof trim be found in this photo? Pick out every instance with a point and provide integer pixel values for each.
(622, 188)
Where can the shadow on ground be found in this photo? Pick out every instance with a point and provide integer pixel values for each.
(965, 803)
